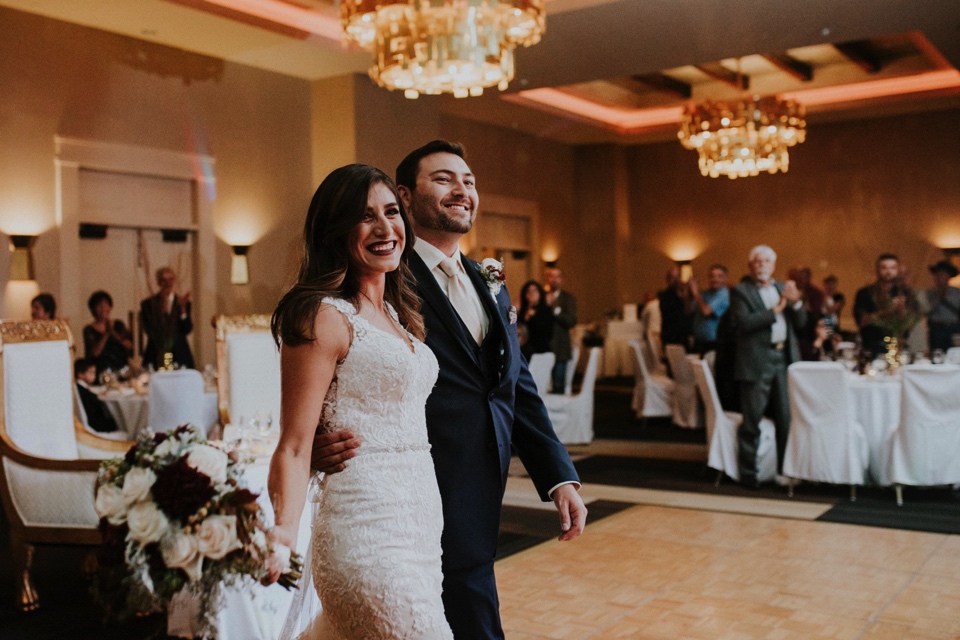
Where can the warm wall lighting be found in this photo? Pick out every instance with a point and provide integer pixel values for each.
(21, 263)
(239, 269)
(686, 270)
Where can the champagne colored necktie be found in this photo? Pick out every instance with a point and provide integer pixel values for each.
(461, 299)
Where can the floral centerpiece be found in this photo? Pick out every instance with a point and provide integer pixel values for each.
(175, 515)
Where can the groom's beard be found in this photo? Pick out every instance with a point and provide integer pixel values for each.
(427, 213)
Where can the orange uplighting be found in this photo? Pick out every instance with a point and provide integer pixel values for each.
(287, 14)
(929, 81)
(621, 120)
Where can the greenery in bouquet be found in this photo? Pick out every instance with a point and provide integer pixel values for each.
(175, 515)
(896, 325)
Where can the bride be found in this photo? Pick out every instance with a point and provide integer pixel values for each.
(352, 357)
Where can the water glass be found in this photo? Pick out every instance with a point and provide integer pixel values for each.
(262, 421)
(937, 356)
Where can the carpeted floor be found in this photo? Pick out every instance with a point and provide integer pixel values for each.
(614, 420)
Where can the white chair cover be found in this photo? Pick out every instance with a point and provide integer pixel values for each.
(571, 370)
(825, 443)
(572, 416)
(38, 398)
(652, 393)
(540, 365)
(926, 445)
(253, 363)
(176, 398)
(722, 429)
(686, 412)
(953, 355)
(710, 357)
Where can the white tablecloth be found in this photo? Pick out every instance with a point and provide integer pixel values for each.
(876, 404)
(131, 409)
(617, 359)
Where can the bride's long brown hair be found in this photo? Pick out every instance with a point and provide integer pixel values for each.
(337, 208)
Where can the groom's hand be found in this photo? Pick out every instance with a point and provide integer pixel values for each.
(332, 450)
(573, 513)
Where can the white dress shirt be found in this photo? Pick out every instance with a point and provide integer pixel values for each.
(431, 257)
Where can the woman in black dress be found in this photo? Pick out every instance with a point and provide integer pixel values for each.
(536, 318)
(106, 341)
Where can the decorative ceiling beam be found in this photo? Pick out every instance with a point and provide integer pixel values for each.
(719, 72)
(788, 64)
(665, 83)
(862, 54)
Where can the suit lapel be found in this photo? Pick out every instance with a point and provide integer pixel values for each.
(498, 328)
(433, 295)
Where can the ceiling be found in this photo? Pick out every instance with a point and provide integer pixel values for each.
(606, 71)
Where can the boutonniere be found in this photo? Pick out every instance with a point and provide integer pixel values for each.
(491, 270)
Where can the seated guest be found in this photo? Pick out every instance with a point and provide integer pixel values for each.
(833, 303)
(535, 318)
(709, 306)
(824, 343)
(43, 307)
(106, 341)
(98, 417)
(943, 306)
(885, 309)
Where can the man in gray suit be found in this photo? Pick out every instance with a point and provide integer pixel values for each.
(766, 316)
(564, 307)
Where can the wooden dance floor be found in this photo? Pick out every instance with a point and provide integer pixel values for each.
(718, 568)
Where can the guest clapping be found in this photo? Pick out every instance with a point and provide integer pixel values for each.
(535, 318)
(106, 341)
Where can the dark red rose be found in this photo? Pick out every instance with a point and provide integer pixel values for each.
(180, 490)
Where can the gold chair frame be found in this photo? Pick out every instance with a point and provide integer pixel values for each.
(225, 325)
(24, 537)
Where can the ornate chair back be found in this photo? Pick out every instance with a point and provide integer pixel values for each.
(248, 366)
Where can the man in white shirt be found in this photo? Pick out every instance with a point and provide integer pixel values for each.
(766, 316)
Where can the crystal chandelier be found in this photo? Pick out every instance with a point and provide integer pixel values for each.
(442, 46)
(743, 137)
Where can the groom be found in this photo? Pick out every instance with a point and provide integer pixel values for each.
(485, 401)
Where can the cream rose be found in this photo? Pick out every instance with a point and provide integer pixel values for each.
(168, 446)
(181, 551)
(209, 461)
(109, 504)
(136, 485)
(147, 523)
(218, 536)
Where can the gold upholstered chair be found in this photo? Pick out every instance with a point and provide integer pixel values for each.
(48, 459)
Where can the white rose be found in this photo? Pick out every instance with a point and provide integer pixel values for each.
(166, 447)
(136, 485)
(208, 460)
(491, 263)
(218, 536)
(109, 504)
(147, 523)
(181, 551)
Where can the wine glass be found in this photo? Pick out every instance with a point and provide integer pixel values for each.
(937, 357)
(262, 421)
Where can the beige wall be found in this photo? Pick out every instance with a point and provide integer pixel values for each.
(854, 190)
(61, 79)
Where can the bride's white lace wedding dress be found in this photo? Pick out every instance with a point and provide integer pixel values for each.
(376, 538)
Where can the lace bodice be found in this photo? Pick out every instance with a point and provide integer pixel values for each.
(380, 389)
(376, 536)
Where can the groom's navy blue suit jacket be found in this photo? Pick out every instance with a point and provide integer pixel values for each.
(484, 403)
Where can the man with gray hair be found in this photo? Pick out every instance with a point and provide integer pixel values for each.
(766, 315)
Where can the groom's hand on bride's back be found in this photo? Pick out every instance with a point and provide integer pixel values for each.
(332, 450)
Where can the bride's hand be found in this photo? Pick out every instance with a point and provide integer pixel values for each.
(278, 562)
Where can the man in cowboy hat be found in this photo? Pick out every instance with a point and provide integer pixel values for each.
(943, 307)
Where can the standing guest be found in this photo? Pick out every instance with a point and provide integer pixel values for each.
(98, 417)
(535, 319)
(674, 302)
(43, 307)
(766, 316)
(885, 309)
(165, 318)
(943, 304)
(833, 303)
(812, 298)
(563, 306)
(106, 341)
(708, 307)
(485, 402)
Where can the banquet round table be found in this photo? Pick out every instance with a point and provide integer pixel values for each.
(131, 409)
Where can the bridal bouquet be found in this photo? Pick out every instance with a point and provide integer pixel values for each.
(175, 515)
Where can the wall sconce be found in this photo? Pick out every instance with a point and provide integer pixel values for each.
(21, 263)
(239, 269)
(686, 269)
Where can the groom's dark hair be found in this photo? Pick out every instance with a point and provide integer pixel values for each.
(408, 167)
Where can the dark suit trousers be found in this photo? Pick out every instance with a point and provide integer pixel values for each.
(471, 604)
(757, 397)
